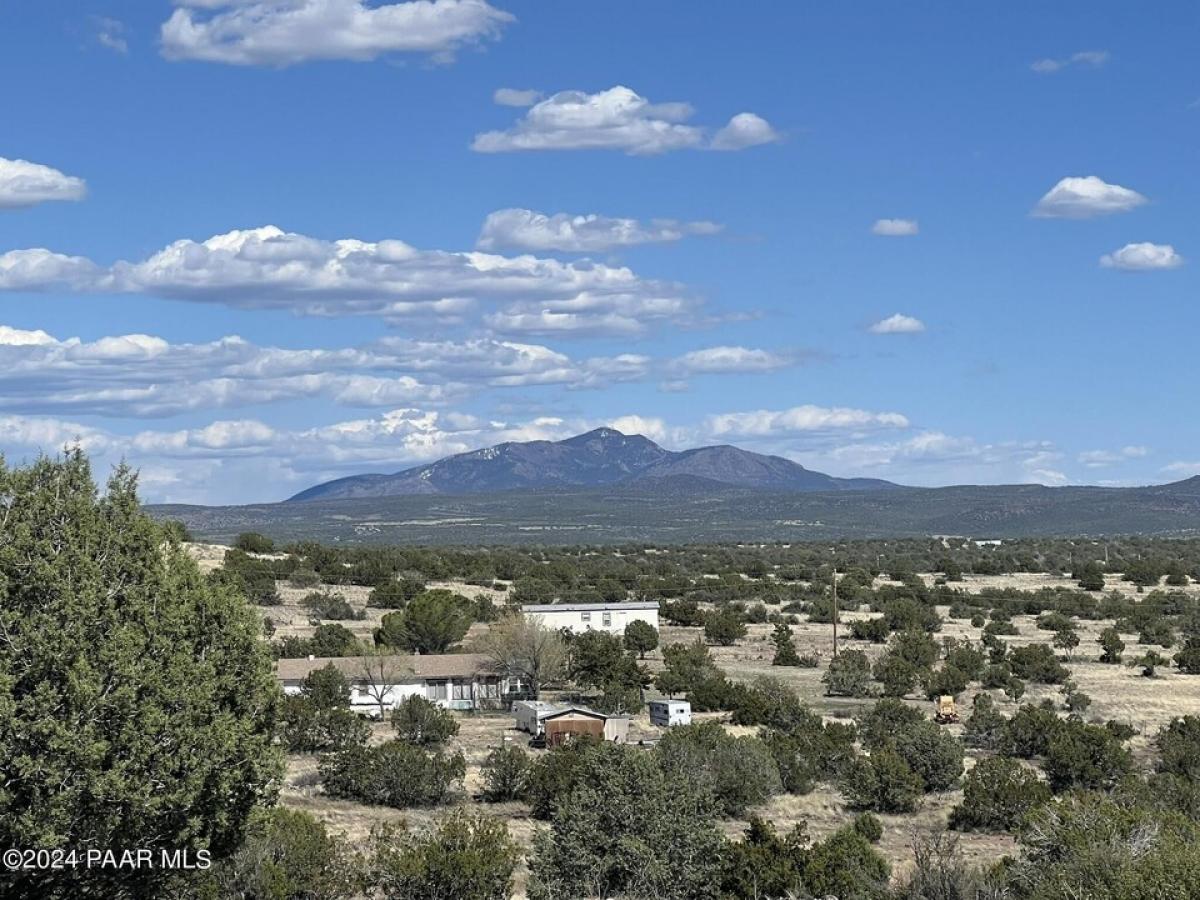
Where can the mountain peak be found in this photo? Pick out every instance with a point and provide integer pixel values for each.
(597, 458)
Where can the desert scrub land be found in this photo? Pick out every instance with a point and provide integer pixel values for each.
(1044, 702)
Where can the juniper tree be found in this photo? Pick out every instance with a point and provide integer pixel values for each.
(785, 647)
(137, 703)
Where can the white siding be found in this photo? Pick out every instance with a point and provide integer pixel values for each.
(613, 620)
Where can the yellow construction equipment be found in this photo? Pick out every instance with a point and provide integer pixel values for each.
(946, 712)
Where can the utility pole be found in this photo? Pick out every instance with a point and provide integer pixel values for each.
(835, 611)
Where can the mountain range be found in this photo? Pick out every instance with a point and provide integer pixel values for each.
(600, 458)
(608, 487)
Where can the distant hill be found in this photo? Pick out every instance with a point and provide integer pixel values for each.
(683, 508)
(599, 458)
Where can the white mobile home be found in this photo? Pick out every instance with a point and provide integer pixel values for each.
(665, 713)
(581, 617)
(453, 680)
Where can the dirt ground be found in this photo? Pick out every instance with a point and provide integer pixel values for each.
(1117, 692)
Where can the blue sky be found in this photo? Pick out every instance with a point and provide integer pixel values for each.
(924, 242)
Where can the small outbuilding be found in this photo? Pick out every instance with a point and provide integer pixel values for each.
(578, 721)
(666, 713)
(560, 723)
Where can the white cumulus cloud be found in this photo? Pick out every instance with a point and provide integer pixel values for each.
(268, 268)
(895, 227)
(24, 183)
(525, 229)
(1086, 198)
(1087, 58)
(1143, 257)
(618, 119)
(285, 32)
(516, 97)
(744, 130)
(139, 375)
(898, 324)
(730, 360)
(764, 422)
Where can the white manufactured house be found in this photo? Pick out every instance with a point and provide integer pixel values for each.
(581, 617)
(453, 680)
(666, 713)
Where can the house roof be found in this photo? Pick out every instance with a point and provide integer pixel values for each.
(401, 668)
(579, 710)
(586, 607)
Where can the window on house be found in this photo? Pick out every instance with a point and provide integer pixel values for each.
(461, 689)
(585, 618)
(489, 688)
(607, 619)
(436, 690)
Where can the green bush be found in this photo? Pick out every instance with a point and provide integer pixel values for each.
(915, 647)
(724, 626)
(422, 722)
(685, 668)
(556, 774)
(1037, 663)
(394, 773)
(878, 725)
(874, 630)
(947, 681)
(811, 751)
(623, 828)
(882, 782)
(1054, 621)
(1178, 746)
(1088, 845)
(868, 826)
(997, 795)
(966, 657)
(329, 605)
(641, 637)
(845, 865)
(848, 675)
(431, 623)
(465, 856)
(286, 854)
(897, 675)
(1112, 646)
(738, 772)
(909, 615)
(506, 773)
(307, 727)
(985, 727)
(395, 593)
(1029, 730)
(253, 542)
(138, 707)
(934, 755)
(1084, 756)
(1188, 657)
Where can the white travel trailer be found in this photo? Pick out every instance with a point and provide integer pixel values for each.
(665, 713)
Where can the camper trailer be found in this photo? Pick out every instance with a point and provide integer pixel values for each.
(666, 713)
